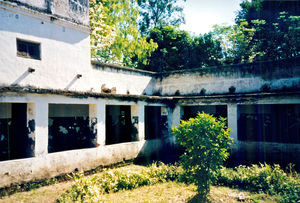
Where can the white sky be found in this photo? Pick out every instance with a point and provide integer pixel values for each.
(201, 15)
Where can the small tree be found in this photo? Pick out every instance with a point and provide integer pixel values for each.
(206, 142)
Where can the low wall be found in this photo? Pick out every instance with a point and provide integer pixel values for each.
(244, 78)
(54, 164)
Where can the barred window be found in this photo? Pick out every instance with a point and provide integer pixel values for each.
(28, 49)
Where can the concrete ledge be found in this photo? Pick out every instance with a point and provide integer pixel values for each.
(77, 94)
(117, 68)
(258, 67)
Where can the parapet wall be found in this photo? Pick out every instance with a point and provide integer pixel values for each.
(76, 11)
(243, 78)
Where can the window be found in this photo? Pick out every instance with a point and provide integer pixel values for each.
(269, 123)
(28, 49)
(121, 124)
(70, 127)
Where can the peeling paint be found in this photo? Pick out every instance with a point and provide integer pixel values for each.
(75, 11)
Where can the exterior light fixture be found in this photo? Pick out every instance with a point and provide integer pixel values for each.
(78, 76)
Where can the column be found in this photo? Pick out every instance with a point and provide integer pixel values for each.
(93, 121)
(101, 123)
(141, 106)
(232, 115)
(30, 129)
(134, 111)
(41, 131)
(174, 116)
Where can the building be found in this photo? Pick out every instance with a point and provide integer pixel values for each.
(60, 112)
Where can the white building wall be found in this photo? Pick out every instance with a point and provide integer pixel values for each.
(244, 78)
(65, 53)
(45, 165)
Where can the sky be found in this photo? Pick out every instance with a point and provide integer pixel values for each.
(201, 15)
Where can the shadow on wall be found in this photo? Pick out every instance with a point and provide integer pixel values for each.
(150, 88)
(23, 76)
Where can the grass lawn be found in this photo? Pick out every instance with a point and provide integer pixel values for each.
(162, 192)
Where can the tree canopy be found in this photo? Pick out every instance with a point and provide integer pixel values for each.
(177, 49)
(144, 34)
(264, 30)
(154, 13)
(115, 37)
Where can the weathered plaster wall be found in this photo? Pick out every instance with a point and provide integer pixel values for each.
(247, 152)
(45, 165)
(21, 170)
(266, 76)
(65, 57)
(126, 80)
(76, 11)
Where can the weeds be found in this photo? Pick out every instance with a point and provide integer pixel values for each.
(256, 178)
(90, 189)
(262, 179)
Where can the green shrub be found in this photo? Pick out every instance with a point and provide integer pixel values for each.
(261, 178)
(90, 189)
(206, 141)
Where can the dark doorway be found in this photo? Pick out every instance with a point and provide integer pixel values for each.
(119, 127)
(14, 141)
(156, 123)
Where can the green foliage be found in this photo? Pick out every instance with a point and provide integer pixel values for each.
(90, 189)
(156, 13)
(206, 141)
(261, 178)
(178, 50)
(264, 30)
(115, 37)
(266, 10)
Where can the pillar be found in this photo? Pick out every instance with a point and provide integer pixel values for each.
(31, 116)
(134, 111)
(41, 128)
(101, 123)
(174, 116)
(232, 115)
(141, 113)
(93, 123)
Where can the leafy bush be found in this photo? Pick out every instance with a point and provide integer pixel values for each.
(90, 189)
(206, 141)
(261, 178)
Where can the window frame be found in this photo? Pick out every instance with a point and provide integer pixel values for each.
(28, 43)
